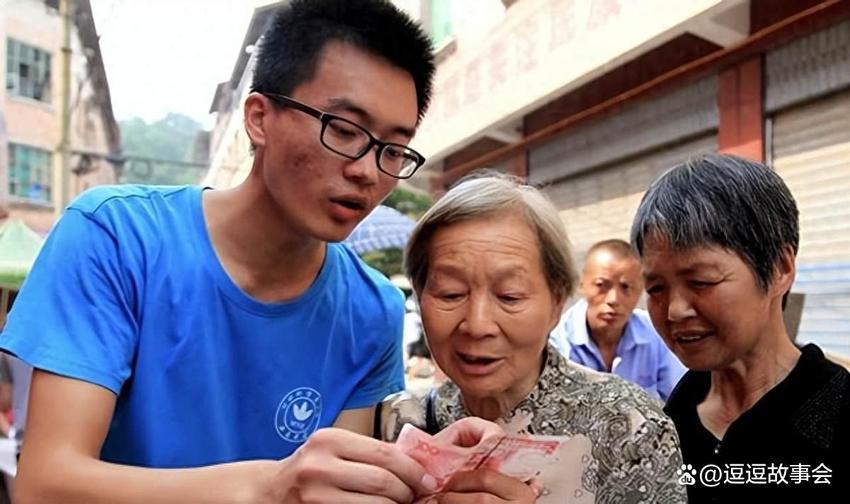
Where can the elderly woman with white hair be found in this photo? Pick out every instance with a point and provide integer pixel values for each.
(491, 269)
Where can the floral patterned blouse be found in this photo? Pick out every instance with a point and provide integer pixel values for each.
(624, 448)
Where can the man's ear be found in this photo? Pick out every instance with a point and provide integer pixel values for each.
(784, 272)
(256, 108)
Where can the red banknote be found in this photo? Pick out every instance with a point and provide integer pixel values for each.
(521, 457)
(439, 460)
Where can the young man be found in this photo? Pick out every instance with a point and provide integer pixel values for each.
(605, 332)
(185, 341)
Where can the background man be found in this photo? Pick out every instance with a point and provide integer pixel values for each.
(604, 331)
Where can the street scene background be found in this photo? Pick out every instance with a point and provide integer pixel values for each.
(588, 99)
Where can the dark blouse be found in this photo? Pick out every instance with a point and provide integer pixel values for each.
(793, 443)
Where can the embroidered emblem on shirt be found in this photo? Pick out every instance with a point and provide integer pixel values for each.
(298, 414)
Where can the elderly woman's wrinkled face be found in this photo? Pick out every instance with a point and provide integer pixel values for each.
(705, 302)
(486, 306)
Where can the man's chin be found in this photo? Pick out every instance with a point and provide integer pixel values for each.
(336, 235)
(608, 324)
(601, 323)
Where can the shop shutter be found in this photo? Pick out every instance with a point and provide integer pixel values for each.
(601, 203)
(811, 151)
(808, 67)
(683, 114)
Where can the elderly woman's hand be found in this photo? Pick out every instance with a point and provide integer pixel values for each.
(485, 486)
(468, 432)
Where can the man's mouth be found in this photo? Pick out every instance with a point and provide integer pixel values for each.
(686, 337)
(351, 204)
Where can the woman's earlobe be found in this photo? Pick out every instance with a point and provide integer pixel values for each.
(786, 270)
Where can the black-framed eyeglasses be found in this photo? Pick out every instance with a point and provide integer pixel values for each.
(349, 139)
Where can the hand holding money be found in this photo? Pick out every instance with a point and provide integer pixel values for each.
(518, 457)
(468, 432)
(486, 485)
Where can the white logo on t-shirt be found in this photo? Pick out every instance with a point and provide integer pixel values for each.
(301, 412)
(298, 414)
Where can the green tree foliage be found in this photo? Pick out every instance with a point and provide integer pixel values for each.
(170, 138)
(386, 261)
(411, 204)
(408, 202)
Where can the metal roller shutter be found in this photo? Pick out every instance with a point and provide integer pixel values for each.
(678, 116)
(811, 151)
(811, 66)
(601, 203)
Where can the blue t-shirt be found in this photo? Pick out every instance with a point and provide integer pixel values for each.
(641, 357)
(129, 294)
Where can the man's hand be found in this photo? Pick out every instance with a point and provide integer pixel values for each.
(485, 486)
(336, 465)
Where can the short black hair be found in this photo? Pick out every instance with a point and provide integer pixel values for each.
(723, 200)
(289, 49)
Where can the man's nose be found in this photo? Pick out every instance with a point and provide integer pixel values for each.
(612, 297)
(364, 170)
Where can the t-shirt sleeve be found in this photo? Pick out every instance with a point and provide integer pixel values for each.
(670, 371)
(74, 314)
(387, 375)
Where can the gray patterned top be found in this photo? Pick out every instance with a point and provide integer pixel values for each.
(625, 448)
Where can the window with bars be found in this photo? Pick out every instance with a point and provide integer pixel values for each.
(27, 71)
(30, 173)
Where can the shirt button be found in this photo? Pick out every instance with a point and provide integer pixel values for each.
(717, 449)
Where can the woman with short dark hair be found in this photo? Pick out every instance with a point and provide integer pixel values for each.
(718, 237)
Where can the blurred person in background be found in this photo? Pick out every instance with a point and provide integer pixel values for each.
(718, 237)
(14, 390)
(491, 269)
(6, 384)
(6, 428)
(604, 330)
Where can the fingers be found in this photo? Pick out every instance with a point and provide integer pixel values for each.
(330, 494)
(370, 480)
(375, 467)
(536, 485)
(468, 432)
(465, 498)
(470, 498)
(491, 482)
(311, 477)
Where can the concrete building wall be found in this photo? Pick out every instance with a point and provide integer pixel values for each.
(37, 124)
(4, 190)
(540, 50)
(230, 155)
(88, 127)
(31, 122)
